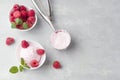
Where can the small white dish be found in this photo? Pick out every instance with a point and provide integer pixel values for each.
(36, 18)
(60, 39)
(43, 57)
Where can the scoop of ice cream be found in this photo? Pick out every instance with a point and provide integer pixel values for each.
(29, 54)
(60, 39)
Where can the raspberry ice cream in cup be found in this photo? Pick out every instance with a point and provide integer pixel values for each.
(31, 55)
(60, 39)
(22, 18)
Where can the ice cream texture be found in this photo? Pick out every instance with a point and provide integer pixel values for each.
(60, 39)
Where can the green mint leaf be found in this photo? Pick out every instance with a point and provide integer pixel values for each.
(13, 69)
(25, 65)
(22, 61)
(18, 21)
(13, 25)
(21, 68)
(25, 25)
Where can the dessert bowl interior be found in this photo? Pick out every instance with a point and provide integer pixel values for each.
(42, 58)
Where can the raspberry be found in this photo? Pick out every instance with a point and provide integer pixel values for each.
(29, 24)
(19, 27)
(24, 14)
(22, 7)
(31, 20)
(56, 64)
(17, 14)
(40, 51)
(24, 19)
(31, 13)
(11, 13)
(34, 63)
(10, 41)
(24, 44)
(12, 19)
(16, 7)
(21, 18)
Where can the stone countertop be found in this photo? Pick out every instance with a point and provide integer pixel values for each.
(94, 53)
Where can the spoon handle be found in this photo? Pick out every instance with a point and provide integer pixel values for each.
(45, 17)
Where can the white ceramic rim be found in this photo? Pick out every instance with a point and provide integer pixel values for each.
(43, 58)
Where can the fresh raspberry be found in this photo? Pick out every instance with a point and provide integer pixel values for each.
(31, 20)
(10, 41)
(24, 19)
(16, 7)
(12, 19)
(34, 63)
(17, 14)
(24, 14)
(19, 27)
(29, 24)
(11, 13)
(56, 64)
(40, 52)
(24, 44)
(22, 7)
(31, 13)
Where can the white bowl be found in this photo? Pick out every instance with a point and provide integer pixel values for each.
(60, 39)
(42, 60)
(36, 18)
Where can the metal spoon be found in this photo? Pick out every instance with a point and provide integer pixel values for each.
(45, 17)
(61, 38)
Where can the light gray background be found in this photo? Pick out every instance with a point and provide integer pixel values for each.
(94, 53)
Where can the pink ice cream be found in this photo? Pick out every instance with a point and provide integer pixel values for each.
(60, 39)
(29, 53)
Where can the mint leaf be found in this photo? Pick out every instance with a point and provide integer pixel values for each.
(22, 61)
(25, 65)
(21, 68)
(13, 69)
(25, 25)
(13, 25)
(18, 21)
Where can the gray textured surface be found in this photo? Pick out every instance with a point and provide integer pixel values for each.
(94, 53)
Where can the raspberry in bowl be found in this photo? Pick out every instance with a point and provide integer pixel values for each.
(31, 55)
(22, 18)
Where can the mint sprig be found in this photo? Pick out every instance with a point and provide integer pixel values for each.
(21, 68)
(24, 64)
(15, 69)
(22, 61)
